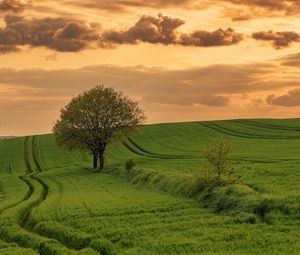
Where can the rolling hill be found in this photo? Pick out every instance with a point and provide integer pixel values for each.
(52, 203)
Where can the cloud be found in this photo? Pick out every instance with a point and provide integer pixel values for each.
(200, 99)
(14, 5)
(161, 29)
(55, 33)
(212, 86)
(8, 48)
(280, 39)
(285, 6)
(164, 30)
(121, 5)
(291, 60)
(250, 8)
(166, 95)
(65, 35)
(219, 37)
(239, 10)
(292, 98)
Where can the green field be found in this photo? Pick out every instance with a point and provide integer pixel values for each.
(51, 202)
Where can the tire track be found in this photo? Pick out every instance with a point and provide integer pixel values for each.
(58, 210)
(37, 193)
(267, 126)
(137, 149)
(26, 156)
(239, 134)
(22, 178)
(35, 154)
(25, 198)
(23, 222)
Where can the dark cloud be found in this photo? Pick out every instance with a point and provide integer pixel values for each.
(55, 33)
(65, 35)
(8, 48)
(14, 5)
(280, 39)
(163, 29)
(219, 37)
(292, 98)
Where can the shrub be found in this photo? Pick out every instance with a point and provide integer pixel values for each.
(129, 164)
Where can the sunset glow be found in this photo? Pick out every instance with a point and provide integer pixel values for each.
(183, 60)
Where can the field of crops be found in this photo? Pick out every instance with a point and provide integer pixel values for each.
(51, 202)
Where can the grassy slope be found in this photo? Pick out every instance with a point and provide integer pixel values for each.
(75, 209)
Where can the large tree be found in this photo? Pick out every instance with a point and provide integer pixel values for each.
(92, 118)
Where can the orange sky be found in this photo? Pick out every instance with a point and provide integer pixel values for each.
(181, 59)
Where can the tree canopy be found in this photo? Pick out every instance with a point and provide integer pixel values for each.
(92, 118)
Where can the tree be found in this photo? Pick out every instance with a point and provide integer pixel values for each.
(93, 118)
(218, 158)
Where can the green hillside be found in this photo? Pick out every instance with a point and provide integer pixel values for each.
(52, 203)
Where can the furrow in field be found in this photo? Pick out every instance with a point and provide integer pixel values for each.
(223, 130)
(42, 243)
(137, 149)
(35, 154)
(9, 231)
(72, 238)
(19, 214)
(267, 126)
(26, 197)
(60, 193)
(26, 156)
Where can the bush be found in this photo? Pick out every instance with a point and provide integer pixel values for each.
(129, 164)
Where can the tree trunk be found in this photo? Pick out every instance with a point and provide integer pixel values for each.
(101, 161)
(95, 161)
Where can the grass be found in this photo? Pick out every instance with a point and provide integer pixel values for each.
(52, 203)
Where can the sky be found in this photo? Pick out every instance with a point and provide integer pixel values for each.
(182, 60)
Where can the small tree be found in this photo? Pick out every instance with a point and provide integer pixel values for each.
(92, 118)
(218, 158)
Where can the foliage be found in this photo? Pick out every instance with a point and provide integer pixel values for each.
(218, 158)
(90, 120)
